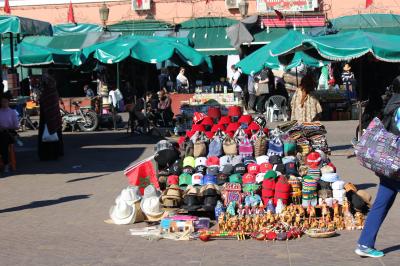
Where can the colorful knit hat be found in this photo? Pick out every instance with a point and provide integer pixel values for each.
(225, 120)
(282, 190)
(217, 127)
(313, 160)
(245, 119)
(198, 117)
(268, 190)
(270, 175)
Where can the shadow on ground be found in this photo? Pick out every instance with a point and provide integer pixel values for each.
(85, 152)
(45, 203)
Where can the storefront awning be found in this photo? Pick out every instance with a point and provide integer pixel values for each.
(341, 47)
(24, 26)
(66, 29)
(379, 23)
(140, 27)
(72, 42)
(209, 35)
(269, 34)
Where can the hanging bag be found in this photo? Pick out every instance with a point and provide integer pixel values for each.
(379, 150)
(245, 148)
(47, 137)
(229, 146)
(215, 147)
(260, 144)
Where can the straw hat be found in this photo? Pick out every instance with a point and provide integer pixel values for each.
(347, 67)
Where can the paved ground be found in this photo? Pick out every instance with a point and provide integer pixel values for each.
(52, 213)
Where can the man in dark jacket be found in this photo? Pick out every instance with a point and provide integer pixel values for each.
(388, 187)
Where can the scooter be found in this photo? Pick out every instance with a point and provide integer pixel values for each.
(84, 119)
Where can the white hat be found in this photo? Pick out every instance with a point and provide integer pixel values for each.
(289, 159)
(339, 193)
(260, 177)
(330, 177)
(338, 185)
(130, 195)
(122, 213)
(262, 159)
(327, 169)
(151, 208)
(200, 161)
(150, 191)
(237, 159)
(196, 179)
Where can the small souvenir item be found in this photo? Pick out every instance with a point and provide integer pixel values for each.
(231, 208)
(279, 206)
(221, 222)
(270, 206)
(219, 208)
(359, 220)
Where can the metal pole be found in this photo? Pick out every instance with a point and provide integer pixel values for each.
(11, 51)
(297, 78)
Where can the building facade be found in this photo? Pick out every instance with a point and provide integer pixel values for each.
(177, 11)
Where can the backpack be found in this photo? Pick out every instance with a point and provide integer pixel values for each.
(245, 148)
(215, 147)
(260, 146)
(229, 146)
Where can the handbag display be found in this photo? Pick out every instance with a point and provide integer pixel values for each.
(379, 150)
(229, 146)
(47, 137)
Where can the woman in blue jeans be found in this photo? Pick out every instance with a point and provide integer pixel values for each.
(388, 187)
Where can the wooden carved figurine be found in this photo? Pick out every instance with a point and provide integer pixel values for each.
(359, 220)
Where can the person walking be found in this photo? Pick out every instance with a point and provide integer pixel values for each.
(305, 106)
(252, 93)
(388, 187)
(50, 116)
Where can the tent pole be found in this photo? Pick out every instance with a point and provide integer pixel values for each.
(297, 78)
(11, 51)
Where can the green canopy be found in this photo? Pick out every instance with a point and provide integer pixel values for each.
(24, 26)
(63, 29)
(344, 46)
(208, 35)
(262, 58)
(147, 49)
(379, 23)
(27, 54)
(147, 27)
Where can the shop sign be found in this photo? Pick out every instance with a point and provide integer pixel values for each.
(286, 5)
(141, 4)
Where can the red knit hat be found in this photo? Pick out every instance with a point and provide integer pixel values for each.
(213, 160)
(230, 133)
(248, 132)
(225, 120)
(207, 121)
(333, 166)
(217, 127)
(198, 127)
(248, 178)
(172, 180)
(214, 112)
(181, 140)
(210, 134)
(282, 190)
(234, 111)
(232, 127)
(266, 131)
(265, 167)
(198, 117)
(313, 159)
(253, 168)
(190, 133)
(245, 119)
(268, 190)
(253, 126)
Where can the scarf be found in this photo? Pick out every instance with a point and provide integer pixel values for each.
(49, 102)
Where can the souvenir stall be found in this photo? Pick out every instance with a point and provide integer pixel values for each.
(256, 183)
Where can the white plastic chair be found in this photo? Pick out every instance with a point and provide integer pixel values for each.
(274, 104)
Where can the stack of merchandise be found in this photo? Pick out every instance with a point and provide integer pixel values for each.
(253, 178)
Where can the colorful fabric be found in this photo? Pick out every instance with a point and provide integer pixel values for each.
(378, 150)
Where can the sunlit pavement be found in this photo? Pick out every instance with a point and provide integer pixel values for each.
(52, 213)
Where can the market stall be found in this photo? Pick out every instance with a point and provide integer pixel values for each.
(257, 183)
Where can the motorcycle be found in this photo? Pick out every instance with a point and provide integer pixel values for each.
(83, 118)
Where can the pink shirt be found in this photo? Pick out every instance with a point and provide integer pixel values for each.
(8, 119)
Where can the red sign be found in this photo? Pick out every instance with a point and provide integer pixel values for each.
(311, 21)
(286, 5)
